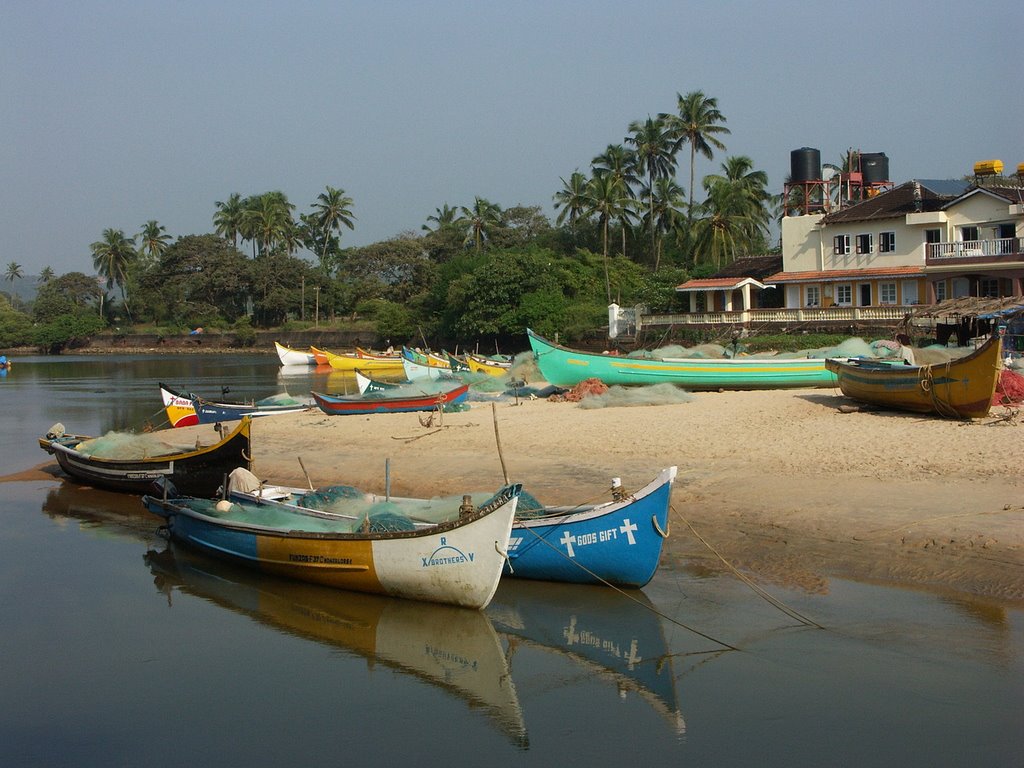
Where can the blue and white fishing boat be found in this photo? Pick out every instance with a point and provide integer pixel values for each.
(617, 542)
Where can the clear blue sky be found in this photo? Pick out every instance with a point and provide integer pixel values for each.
(114, 113)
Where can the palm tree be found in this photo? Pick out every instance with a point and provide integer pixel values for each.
(697, 123)
(655, 157)
(227, 221)
(443, 217)
(481, 220)
(112, 257)
(620, 162)
(46, 275)
(750, 199)
(572, 199)
(724, 225)
(267, 221)
(154, 239)
(669, 198)
(606, 197)
(13, 272)
(332, 212)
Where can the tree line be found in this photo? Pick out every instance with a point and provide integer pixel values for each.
(625, 231)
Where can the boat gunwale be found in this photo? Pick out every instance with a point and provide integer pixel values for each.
(502, 498)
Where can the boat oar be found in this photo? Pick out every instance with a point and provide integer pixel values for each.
(308, 481)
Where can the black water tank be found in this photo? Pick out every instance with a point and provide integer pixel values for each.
(875, 167)
(805, 164)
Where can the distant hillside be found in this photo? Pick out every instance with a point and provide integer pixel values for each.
(25, 288)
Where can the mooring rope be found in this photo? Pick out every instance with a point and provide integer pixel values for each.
(629, 596)
(758, 590)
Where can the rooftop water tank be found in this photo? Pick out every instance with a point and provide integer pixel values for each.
(875, 167)
(805, 164)
(988, 168)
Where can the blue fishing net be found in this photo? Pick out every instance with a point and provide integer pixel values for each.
(328, 497)
(528, 506)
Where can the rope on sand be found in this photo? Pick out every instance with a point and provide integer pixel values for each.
(774, 601)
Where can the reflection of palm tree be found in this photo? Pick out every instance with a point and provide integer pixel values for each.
(606, 197)
(112, 257)
(481, 220)
(572, 199)
(655, 157)
(697, 123)
(332, 212)
(13, 272)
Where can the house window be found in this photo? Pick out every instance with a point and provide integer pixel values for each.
(969, 234)
(887, 293)
(933, 236)
(940, 290)
(841, 245)
(865, 244)
(813, 296)
(910, 292)
(844, 294)
(988, 288)
(887, 242)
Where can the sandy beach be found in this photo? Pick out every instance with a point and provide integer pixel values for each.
(780, 483)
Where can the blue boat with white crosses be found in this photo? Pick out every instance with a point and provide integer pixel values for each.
(617, 542)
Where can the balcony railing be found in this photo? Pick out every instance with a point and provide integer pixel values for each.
(781, 316)
(975, 249)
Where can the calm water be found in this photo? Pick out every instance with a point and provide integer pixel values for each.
(118, 650)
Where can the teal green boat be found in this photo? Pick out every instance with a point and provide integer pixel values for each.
(566, 367)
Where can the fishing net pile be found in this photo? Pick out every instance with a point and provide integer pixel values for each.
(126, 445)
(654, 394)
(585, 388)
(852, 347)
(1009, 389)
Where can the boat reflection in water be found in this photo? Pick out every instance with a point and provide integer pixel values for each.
(111, 512)
(616, 636)
(454, 648)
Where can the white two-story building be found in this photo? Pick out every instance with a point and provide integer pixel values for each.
(918, 243)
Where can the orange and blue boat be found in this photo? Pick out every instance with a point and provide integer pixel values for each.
(456, 562)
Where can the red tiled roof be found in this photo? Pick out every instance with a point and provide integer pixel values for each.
(833, 275)
(711, 283)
